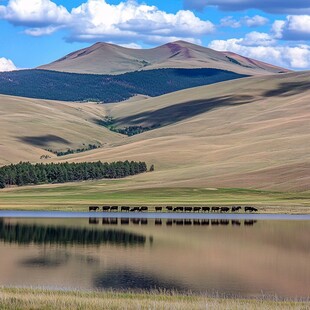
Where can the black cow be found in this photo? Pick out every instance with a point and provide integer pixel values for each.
(124, 208)
(205, 209)
(158, 209)
(134, 209)
(105, 208)
(176, 209)
(196, 209)
(213, 209)
(93, 208)
(224, 209)
(169, 208)
(188, 209)
(235, 209)
(143, 209)
(250, 209)
(114, 208)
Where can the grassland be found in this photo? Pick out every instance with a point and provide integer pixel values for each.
(78, 196)
(13, 298)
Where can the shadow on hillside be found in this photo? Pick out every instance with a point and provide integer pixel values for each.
(43, 141)
(288, 89)
(181, 111)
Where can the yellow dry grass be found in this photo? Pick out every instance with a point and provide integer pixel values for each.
(43, 299)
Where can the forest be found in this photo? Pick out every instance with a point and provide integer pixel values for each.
(44, 84)
(25, 173)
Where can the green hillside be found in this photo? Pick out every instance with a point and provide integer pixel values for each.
(54, 85)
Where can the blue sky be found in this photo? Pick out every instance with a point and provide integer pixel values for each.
(35, 32)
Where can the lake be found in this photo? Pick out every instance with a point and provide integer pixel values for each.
(231, 255)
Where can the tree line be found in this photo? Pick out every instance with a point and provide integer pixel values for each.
(25, 173)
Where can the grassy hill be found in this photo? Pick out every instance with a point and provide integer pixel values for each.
(54, 85)
(30, 126)
(249, 133)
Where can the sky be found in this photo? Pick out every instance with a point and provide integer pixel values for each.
(36, 32)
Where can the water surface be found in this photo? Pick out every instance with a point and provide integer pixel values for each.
(242, 256)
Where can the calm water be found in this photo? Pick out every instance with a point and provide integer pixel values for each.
(245, 257)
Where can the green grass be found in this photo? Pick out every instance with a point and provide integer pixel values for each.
(77, 196)
(14, 298)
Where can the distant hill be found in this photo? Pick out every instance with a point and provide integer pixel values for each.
(105, 58)
(64, 86)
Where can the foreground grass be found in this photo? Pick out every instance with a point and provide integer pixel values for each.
(15, 298)
(78, 196)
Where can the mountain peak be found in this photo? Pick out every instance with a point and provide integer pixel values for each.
(107, 58)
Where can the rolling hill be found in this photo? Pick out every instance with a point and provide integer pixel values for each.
(105, 58)
(248, 133)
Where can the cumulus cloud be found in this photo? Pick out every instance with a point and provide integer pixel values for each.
(255, 21)
(6, 65)
(125, 22)
(270, 6)
(34, 13)
(262, 46)
(295, 27)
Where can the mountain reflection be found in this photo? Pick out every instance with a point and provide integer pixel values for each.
(40, 234)
(134, 280)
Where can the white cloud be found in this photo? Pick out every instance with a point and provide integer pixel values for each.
(123, 23)
(229, 21)
(6, 65)
(34, 13)
(267, 50)
(255, 21)
(270, 6)
(295, 27)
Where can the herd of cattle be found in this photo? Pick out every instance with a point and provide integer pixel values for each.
(170, 222)
(172, 209)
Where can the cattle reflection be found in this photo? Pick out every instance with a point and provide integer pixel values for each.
(174, 222)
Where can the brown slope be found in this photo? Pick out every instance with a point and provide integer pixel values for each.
(258, 135)
(30, 126)
(104, 58)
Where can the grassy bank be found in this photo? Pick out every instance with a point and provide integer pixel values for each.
(78, 196)
(13, 298)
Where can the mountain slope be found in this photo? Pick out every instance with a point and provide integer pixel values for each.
(105, 58)
(248, 133)
(29, 127)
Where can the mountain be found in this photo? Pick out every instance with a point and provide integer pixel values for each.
(247, 133)
(105, 58)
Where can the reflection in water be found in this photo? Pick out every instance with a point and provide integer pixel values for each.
(230, 256)
(133, 280)
(170, 222)
(40, 234)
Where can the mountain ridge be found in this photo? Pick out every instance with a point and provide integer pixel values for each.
(107, 58)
